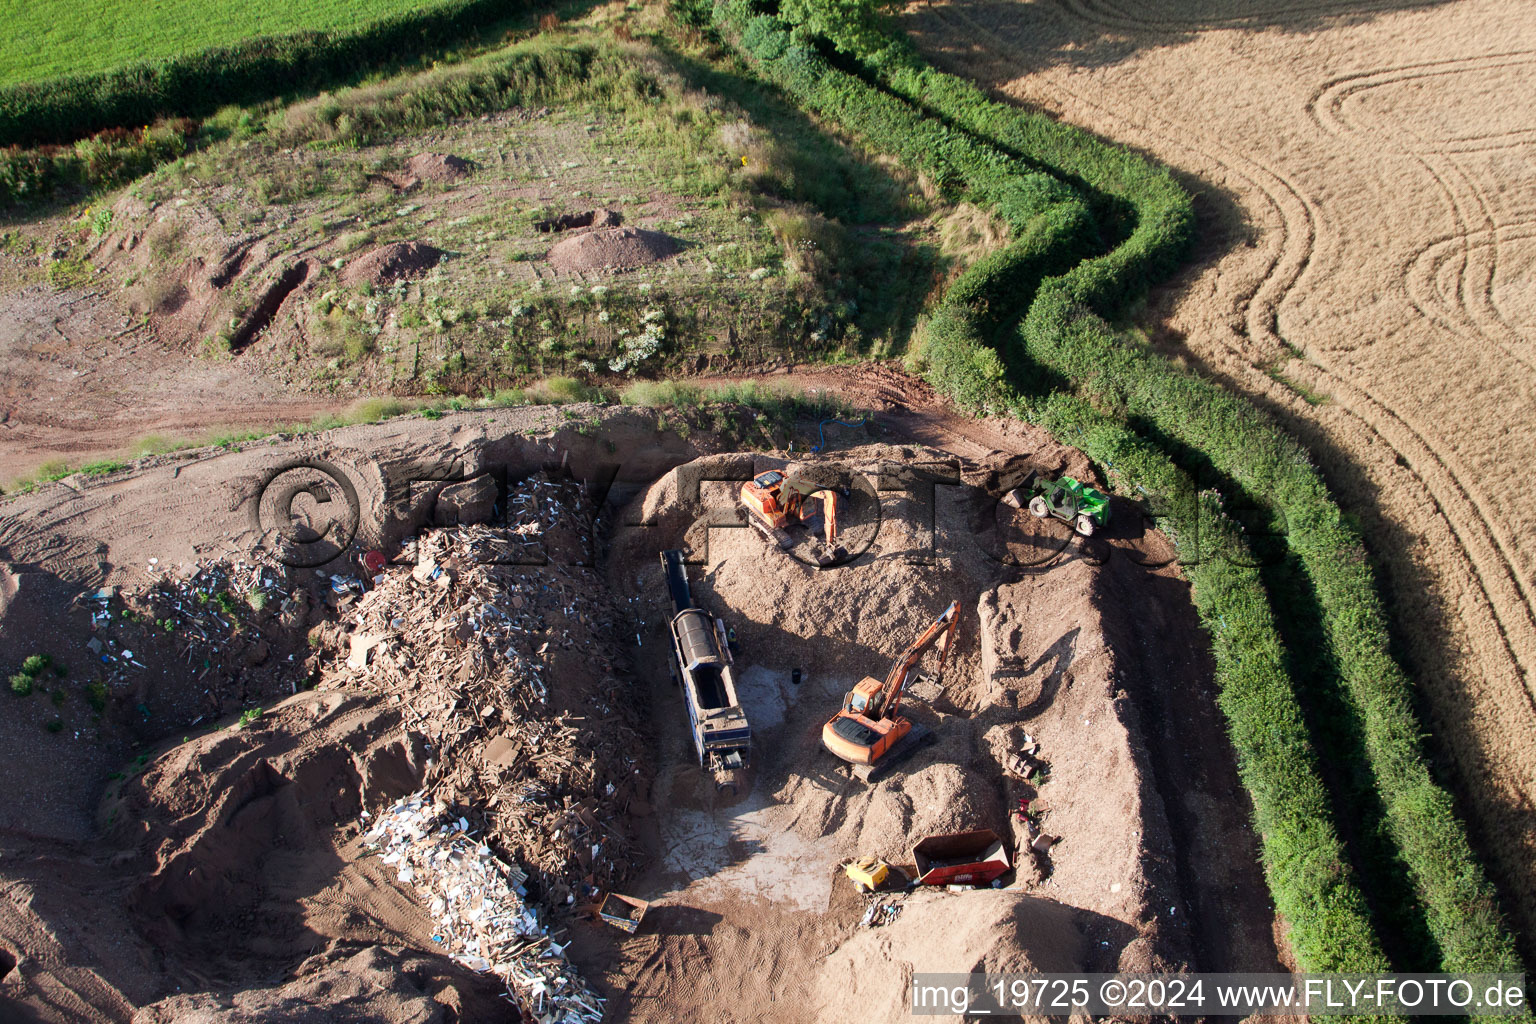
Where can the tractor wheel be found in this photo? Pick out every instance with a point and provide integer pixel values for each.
(1038, 508)
(1085, 525)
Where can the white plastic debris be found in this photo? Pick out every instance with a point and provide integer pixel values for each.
(480, 919)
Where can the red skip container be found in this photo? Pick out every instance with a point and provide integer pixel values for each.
(960, 858)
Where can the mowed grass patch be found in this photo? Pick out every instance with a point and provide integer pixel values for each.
(45, 38)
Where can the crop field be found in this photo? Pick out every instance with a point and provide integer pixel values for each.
(1363, 183)
(45, 38)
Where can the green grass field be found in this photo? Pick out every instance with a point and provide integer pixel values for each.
(57, 37)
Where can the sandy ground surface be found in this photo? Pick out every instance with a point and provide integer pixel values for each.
(232, 889)
(1364, 181)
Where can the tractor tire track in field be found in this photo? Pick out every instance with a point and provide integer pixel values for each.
(1452, 563)
(1109, 14)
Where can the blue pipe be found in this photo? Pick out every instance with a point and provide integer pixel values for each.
(821, 430)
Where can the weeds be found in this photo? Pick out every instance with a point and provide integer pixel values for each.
(23, 682)
(69, 272)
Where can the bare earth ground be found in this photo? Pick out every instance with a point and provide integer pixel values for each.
(234, 881)
(1365, 181)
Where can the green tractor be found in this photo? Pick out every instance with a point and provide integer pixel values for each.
(1071, 502)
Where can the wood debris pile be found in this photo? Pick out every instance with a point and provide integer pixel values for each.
(478, 912)
(510, 673)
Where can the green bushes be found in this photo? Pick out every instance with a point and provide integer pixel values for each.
(61, 109)
(106, 159)
(1077, 369)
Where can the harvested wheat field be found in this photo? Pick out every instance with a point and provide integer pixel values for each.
(1364, 177)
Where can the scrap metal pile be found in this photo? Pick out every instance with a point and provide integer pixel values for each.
(478, 913)
(509, 673)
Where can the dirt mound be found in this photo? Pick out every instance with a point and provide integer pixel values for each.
(234, 837)
(437, 167)
(391, 263)
(611, 249)
(375, 984)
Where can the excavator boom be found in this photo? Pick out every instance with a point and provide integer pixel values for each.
(943, 627)
(867, 731)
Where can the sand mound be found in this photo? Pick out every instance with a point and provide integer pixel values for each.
(999, 932)
(611, 249)
(374, 984)
(391, 263)
(437, 167)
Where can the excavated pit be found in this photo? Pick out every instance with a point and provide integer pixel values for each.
(267, 307)
(571, 221)
(225, 855)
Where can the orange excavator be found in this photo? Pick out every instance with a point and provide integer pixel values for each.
(776, 501)
(868, 730)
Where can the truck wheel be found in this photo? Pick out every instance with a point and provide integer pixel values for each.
(1038, 508)
(1085, 525)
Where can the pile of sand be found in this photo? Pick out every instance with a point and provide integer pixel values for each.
(611, 249)
(391, 263)
(437, 167)
(372, 984)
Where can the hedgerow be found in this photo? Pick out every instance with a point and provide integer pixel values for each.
(1064, 341)
(60, 110)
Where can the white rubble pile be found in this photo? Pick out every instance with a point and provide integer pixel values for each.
(478, 911)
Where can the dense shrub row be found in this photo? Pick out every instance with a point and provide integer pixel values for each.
(60, 110)
(1063, 339)
(105, 159)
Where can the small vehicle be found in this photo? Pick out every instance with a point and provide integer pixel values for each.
(872, 874)
(1072, 502)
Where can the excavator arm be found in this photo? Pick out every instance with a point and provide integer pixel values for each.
(795, 490)
(942, 630)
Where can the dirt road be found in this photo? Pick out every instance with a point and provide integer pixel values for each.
(1364, 180)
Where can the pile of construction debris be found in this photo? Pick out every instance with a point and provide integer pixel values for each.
(510, 672)
(1028, 767)
(478, 911)
(228, 621)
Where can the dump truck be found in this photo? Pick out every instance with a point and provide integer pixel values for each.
(868, 731)
(702, 667)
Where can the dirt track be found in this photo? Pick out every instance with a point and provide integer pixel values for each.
(1364, 184)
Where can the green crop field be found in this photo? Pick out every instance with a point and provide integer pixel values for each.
(56, 37)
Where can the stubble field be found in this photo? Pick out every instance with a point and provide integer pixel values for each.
(1363, 178)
